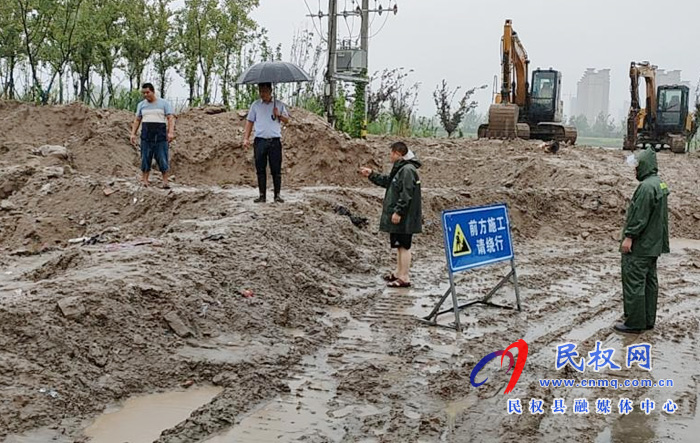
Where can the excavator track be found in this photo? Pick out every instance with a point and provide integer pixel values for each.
(552, 131)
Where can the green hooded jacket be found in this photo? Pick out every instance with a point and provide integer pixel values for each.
(403, 196)
(647, 214)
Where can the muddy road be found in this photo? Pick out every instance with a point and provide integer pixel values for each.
(223, 321)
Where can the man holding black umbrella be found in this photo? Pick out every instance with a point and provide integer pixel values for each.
(266, 116)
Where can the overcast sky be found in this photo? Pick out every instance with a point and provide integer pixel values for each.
(459, 40)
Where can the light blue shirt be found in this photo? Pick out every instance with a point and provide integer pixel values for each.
(154, 119)
(261, 114)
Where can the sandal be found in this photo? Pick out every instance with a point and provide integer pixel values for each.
(398, 283)
(390, 277)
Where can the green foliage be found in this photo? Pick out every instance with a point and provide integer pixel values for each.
(342, 123)
(444, 97)
(471, 122)
(424, 127)
(125, 99)
(603, 127)
(358, 124)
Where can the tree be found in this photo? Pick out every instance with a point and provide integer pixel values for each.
(604, 125)
(580, 122)
(402, 103)
(390, 80)
(108, 46)
(164, 56)
(358, 123)
(209, 23)
(84, 57)
(10, 47)
(61, 42)
(36, 17)
(444, 97)
(186, 43)
(138, 39)
(472, 120)
(307, 51)
(237, 28)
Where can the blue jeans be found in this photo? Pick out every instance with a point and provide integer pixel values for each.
(149, 150)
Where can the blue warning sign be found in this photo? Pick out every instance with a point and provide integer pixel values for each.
(476, 236)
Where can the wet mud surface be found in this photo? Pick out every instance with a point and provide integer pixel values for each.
(271, 323)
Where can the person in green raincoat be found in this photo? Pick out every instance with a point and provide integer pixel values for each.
(401, 212)
(645, 238)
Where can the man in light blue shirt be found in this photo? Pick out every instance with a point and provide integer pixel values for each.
(157, 119)
(267, 116)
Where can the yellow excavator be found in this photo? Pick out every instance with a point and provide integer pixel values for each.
(522, 110)
(665, 122)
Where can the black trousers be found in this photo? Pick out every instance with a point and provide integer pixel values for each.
(268, 150)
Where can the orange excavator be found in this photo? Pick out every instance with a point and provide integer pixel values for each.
(524, 110)
(665, 122)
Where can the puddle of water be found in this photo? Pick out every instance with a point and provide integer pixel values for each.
(680, 243)
(336, 312)
(358, 330)
(636, 427)
(456, 408)
(294, 332)
(142, 419)
(360, 411)
(291, 416)
(43, 435)
(582, 332)
(232, 355)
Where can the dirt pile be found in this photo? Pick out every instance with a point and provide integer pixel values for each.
(208, 149)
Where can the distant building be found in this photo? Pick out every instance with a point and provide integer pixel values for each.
(664, 77)
(593, 94)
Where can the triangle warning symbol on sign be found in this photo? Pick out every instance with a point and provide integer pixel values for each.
(460, 245)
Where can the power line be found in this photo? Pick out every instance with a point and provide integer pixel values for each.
(320, 33)
(382, 27)
(350, 31)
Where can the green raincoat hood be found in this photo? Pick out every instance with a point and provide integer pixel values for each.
(647, 164)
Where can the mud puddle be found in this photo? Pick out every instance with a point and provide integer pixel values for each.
(288, 417)
(142, 419)
(315, 407)
(43, 435)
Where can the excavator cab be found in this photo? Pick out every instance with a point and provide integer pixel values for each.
(672, 109)
(545, 96)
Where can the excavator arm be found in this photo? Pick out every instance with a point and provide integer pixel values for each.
(639, 118)
(515, 66)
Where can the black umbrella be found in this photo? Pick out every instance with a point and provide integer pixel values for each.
(274, 72)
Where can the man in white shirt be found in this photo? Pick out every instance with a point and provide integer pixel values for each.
(266, 116)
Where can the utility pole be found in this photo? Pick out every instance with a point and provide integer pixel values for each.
(330, 71)
(364, 30)
(363, 85)
(331, 68)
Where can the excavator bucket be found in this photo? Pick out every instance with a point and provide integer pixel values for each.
(503, 121)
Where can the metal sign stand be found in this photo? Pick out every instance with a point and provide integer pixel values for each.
(475, 237)
(431, 319)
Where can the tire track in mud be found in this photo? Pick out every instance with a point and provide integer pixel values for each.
(321, 404)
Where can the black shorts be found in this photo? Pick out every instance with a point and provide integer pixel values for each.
(401, 240)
